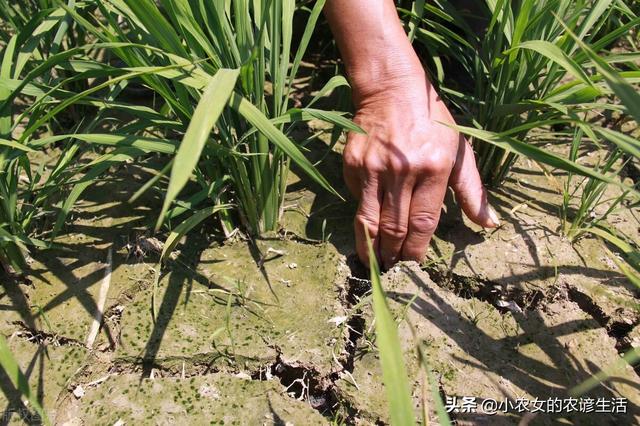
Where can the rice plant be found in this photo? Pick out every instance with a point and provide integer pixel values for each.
(589, 193)
(228, 66)
(27, 191)
(523, 68)
(624, 149)
(394, 370)
(11, 368)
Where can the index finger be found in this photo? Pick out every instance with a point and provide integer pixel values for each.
(367, 218)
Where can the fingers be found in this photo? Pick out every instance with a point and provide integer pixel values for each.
(468, 188)
(367, 217)
(426, 205)
(394, 220)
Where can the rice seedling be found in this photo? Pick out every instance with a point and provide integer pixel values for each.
(624, 149)
(223, 66)
(524, 67)
(27, 191)
(591, 199)
(541, 65)
(11, 368)
(394, 370)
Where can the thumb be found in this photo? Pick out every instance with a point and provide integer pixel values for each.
(467, 186)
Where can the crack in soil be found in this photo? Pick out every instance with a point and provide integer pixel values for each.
(486, 290)
(40, 337)
(492, 292)
(617, 328)
(300, 381)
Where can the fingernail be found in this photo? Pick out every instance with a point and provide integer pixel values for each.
(494, 216)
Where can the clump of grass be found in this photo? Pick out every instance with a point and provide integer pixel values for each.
(524, 66)
(536, 65)
(31, 41)
(209, 65)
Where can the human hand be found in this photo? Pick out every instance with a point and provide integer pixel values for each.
(399, 171)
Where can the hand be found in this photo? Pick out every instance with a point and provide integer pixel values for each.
(401, 168)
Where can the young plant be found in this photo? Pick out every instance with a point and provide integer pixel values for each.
(589, 193)
(11, 368)
(224, 72)
(523, 67)
(27, 191)
(394, 370)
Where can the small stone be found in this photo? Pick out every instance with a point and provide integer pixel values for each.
(78, 392)
(292, 265)
(207, 391)
(338, 320)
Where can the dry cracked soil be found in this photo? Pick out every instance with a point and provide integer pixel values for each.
(279, 330)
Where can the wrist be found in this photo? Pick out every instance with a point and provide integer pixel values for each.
(393, 68)
(388, 80)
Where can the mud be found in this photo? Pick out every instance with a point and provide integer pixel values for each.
(279, 330)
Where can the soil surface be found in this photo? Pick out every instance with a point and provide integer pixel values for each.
(279, 330)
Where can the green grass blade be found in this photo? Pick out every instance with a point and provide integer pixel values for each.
(417, 10)
(330, 117)
(264, 126)
(16, 145)
(188, 225)
(306, 37)
(12, 369)
(333, 83)
(99, 167)
(630, 253)
(206, 115)
(555, 54)
(630, 358)
(22, 241)
(624, 142)
(626, 92)
(394, 371)
(533, 152)
(147, 144)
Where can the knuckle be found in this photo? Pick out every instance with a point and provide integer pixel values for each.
(399, 164)
(363, 221)
(351, 159)
(439, 162)
(393, 230)
(373, 163)
(423, 222)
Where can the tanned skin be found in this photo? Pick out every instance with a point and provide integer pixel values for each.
(400, 170)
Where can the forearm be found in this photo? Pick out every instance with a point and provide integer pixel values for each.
(373, 45)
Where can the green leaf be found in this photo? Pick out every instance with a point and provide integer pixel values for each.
(330, 117)
(99, 166)
(206, 115)
(333, 83)
(264, 126)
(625, 91)
(394, 371)
(147, 144)
(15, 145)
(188, 225)
(12, 370)
(555, 54)
(624, 142)
(533, 152)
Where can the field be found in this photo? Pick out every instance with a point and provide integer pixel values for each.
(176, 237)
